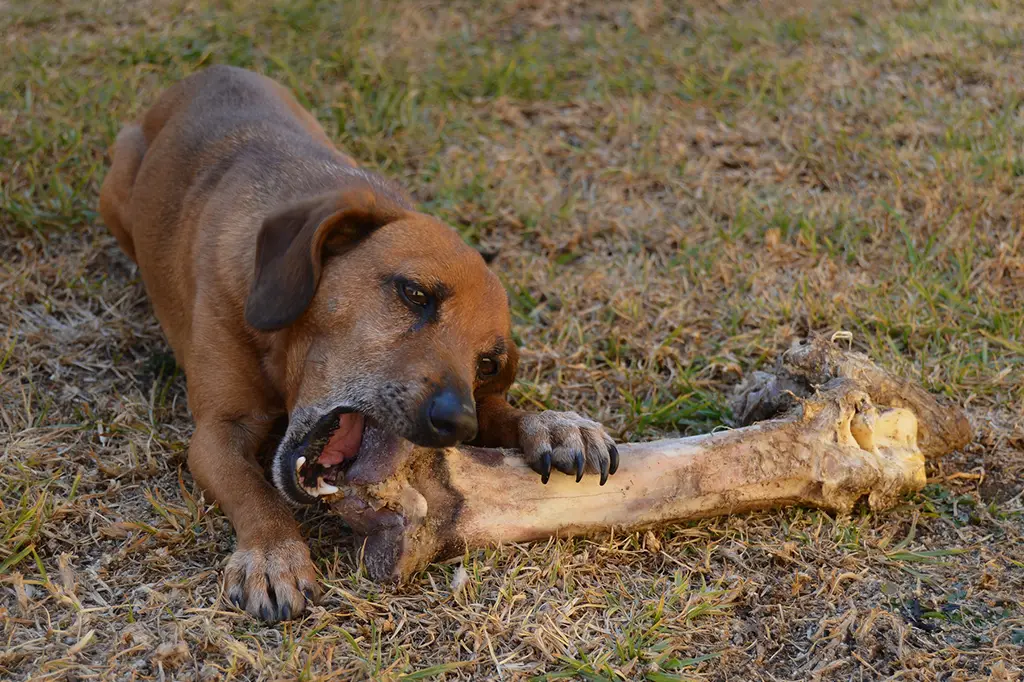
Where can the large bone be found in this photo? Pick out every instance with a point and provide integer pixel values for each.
(849, 438)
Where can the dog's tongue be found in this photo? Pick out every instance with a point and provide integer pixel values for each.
(345, 442)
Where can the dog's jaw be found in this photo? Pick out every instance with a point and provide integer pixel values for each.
(311, 432)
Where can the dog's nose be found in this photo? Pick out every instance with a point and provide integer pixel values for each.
(451, 419)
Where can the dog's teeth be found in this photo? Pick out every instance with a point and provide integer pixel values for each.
(324, 488)
(299, 462)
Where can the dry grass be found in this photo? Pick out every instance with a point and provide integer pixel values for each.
(673, 191)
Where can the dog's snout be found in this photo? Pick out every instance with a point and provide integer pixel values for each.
(451, 418)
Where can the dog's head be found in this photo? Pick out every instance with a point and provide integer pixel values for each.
(389, 326)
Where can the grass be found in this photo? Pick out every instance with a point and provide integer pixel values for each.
(673, 190)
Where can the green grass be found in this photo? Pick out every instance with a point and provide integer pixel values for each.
(673, 191)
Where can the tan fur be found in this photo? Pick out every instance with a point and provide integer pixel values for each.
(266, 254)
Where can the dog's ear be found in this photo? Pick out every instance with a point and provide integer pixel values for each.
(294, 241)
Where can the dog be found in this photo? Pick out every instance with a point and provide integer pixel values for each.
(291, 283)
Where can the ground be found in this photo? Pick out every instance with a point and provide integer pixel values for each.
(671, 191)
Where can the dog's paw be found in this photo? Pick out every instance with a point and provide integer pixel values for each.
(273, 582)
(569, 443)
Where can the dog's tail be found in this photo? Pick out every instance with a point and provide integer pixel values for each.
(116, 192)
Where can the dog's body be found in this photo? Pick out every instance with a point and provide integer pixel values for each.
(290, 282)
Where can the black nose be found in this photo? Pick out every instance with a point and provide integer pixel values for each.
(450, 418)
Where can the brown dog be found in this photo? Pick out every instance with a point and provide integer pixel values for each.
(292, 283)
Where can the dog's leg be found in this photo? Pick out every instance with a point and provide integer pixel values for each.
(564, 441)
(270, 575)
(116, 192)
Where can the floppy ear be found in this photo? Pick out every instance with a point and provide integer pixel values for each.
(291, 243)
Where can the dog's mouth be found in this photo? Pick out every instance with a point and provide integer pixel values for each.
(318, 465)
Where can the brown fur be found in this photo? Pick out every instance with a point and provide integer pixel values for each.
(271, 261)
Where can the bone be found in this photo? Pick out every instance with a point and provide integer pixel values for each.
(843, 442)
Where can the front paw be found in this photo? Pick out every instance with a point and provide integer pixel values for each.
(271, 580)
(568, 442)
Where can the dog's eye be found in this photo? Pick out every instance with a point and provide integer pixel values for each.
(487, 367)
(415, 295)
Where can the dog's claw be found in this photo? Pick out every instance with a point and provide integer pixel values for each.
(567, 442)
(270, 581)
(614, 452)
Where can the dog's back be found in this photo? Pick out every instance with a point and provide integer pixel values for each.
(220, 128)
